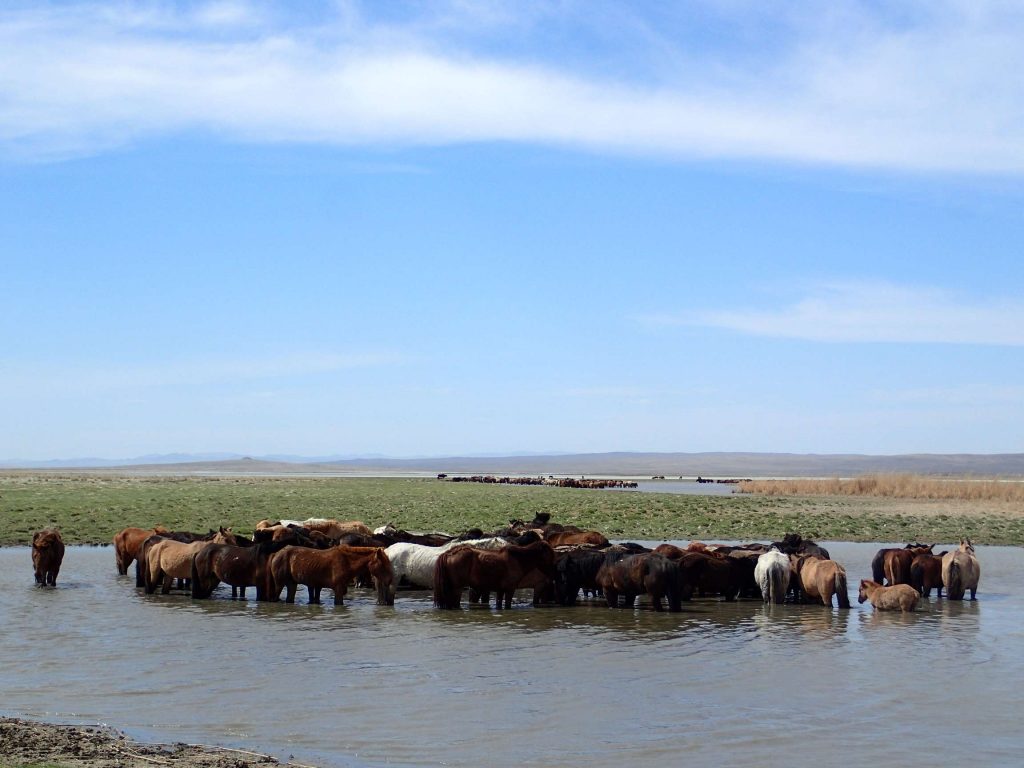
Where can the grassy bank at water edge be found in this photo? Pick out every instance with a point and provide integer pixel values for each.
(91, 508)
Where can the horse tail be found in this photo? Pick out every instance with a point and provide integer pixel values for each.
(878, 567)
(917, 576)
(955, 587)
(842, 595)
(202, 587)
(776, 585)
(445, 595)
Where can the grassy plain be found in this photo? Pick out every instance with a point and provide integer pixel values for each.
(91, 508)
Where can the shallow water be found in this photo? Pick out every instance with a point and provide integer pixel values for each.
(410, 685)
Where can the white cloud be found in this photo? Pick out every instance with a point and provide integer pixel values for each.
(94, 378)
(850, 88)
(873, 312)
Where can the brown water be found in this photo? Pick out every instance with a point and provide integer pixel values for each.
(411, 685)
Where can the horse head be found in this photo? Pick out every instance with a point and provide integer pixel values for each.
(383, 574)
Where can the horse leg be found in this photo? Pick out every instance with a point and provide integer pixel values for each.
(508, 598)
(339, 593)
(612, 597)
(656, 599)
(290, 591)
(168, 581)
(974, 592)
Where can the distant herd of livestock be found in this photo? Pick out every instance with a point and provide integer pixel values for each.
(558, 562)
(555, 482)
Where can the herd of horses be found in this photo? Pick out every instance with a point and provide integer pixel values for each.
(558, 562)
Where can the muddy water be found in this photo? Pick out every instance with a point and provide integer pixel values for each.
(409, 685)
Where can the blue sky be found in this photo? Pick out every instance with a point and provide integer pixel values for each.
(497, 227)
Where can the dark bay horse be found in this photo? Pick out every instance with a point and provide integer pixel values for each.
(47, 555)
(238, 566)
(500, 571)
(334, 568)
(648, 573)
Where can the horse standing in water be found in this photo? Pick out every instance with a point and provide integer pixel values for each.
(333, 568)
(240, 567)
(499, 571)
(896, 597)
(127, 543)
(820, 579)
(961, 571)
(47, 555)
(772, 574)
(167, 559)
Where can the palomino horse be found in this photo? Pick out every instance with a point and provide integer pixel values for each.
(167, 559)
(961, 571)
(47, 555)
(896, 597)
(499, 571)
(820, 579)
(650, 573)
(772, 574)
(240, 567)
(333, 568)
(127, 543)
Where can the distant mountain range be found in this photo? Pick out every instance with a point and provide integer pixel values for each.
(721, 464)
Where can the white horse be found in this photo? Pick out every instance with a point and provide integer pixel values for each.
(772, 575)
(415, 562)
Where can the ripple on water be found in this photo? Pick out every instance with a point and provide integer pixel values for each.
(363, 684)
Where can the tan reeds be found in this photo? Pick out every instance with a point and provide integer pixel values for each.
(896, 486)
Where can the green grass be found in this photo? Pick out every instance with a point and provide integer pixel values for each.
(90, 509)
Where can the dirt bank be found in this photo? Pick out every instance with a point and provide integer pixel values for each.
(26, 742)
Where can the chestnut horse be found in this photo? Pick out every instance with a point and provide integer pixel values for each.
(820, 579)
(333, 568)
(47, 555)
(500, 571)
(167, 559)
(896, 597)
(567, 538)
(926, 573)
(961, 571)
(893, 564)
(127, 543)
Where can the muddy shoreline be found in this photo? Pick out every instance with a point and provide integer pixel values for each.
(29, 742)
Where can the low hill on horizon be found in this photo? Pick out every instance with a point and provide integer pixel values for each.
(716, 464)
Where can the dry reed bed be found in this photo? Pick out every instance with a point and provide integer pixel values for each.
(894, 486)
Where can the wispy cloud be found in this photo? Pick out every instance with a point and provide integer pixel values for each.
(96, 378)
(926, 90)
(872, 312)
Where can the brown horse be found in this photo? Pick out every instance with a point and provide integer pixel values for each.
(896, 597)
(820, 579)
(333, 568)
(567, 538)
(961, 571)
(894, 564)
(127, 543)
(926, 573)
(500, 571)
(167, 559)
(240, 567)
(649, 573)
(47, 555)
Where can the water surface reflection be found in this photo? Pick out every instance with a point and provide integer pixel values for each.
(370, 685)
